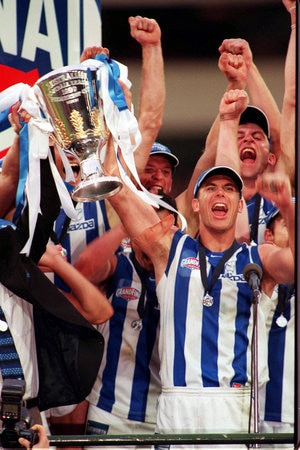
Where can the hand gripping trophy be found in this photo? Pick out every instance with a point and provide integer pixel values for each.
(76, 100)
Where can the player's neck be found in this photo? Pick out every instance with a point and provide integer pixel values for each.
(217, 241)
(249, 189)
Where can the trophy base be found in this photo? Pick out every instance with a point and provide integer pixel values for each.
(96, 189)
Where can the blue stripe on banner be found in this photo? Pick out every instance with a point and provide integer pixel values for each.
(4, 122)
(81, 24)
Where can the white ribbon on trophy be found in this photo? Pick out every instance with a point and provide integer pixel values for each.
(38, 148)
(124, 128)
(39, 130)
(121, 122)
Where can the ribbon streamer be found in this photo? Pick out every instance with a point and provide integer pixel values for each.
(120, 121)
(123, 126)
(38, 133)
(34, 145)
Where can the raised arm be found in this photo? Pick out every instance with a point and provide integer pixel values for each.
(97, 261)
(152, 89)
(232, 105)
(288, 116)
(86, 297)
(137, 216)
(235, 69)
(279, 263)
(9, 176)
(236, 62)
(259, 93)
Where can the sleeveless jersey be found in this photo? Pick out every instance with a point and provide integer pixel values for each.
(264, 210)
(208, 346)
(91, 223)
(279, 391)
(128, 382)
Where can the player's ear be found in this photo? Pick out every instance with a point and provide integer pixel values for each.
(195, 205)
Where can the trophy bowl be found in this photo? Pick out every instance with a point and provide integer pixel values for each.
(69, 99)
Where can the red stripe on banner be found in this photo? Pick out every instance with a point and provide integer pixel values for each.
(11, 76)
(3, 152)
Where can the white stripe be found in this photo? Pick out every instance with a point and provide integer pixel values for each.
(6, 138)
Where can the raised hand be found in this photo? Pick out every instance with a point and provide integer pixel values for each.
(235, 61)
(144, 30)
(233, 103)
(91, 52)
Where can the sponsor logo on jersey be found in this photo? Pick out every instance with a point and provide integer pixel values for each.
(128, 293)
(86, 225)
(190, 263)
(234, 277)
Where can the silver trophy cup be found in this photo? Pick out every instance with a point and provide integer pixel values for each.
(69, 98)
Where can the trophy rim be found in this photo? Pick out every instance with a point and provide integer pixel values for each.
(92, 65)
(79, 196)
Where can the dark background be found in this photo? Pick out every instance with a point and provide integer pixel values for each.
(264, 24)
(191, 34)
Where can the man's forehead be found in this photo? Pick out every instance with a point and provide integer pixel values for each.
(251, 126)
(156, 160)
(222, 178)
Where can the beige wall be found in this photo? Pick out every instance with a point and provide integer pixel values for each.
(194, 90)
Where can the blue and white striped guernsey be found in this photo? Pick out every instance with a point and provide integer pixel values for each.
(128, 382)
(91, 223)
(263, 213)
(207, 346)
(279, 391)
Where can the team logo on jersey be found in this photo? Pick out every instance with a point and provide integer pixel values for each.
(190, 263)
(126, 245)
(128, 293)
